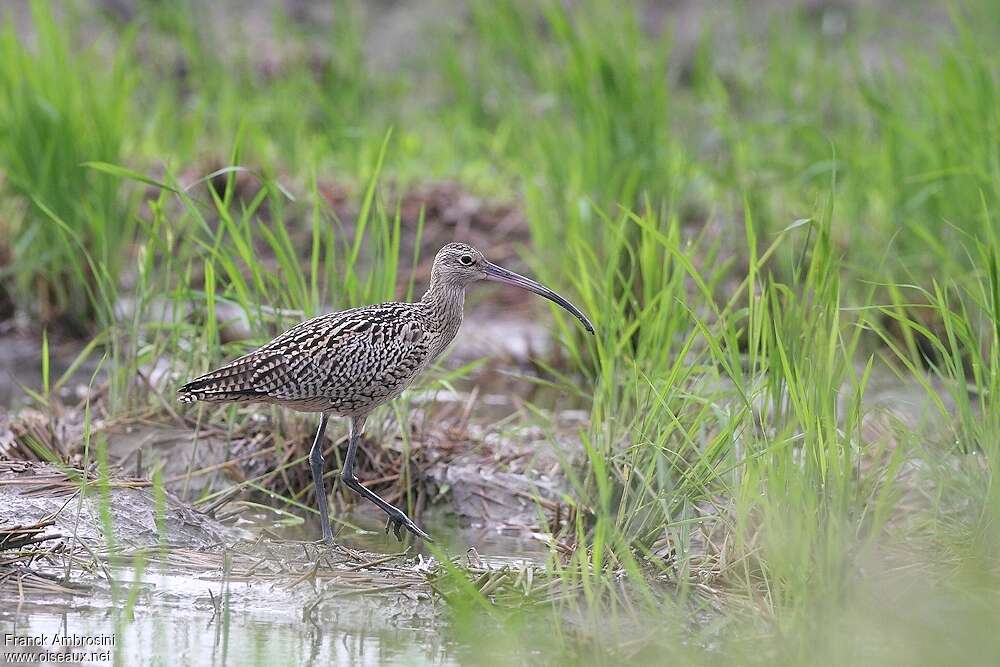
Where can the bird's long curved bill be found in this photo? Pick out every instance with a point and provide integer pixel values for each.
(502, 275)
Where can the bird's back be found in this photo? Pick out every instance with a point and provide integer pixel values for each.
(346, 362)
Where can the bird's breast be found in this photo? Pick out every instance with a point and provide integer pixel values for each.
(440, 338)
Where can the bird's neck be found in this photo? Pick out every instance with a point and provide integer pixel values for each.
(445, 301)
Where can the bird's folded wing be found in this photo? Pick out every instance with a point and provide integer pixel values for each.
(350, 353)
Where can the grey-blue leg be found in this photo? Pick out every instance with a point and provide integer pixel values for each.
(397, 519)
(317, 463)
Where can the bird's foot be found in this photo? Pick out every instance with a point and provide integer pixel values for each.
(327, 539)
(397, 521)
(325, 542)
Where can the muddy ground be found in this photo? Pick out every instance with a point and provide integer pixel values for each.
(163, 560)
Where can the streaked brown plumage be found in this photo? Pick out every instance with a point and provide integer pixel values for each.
(350, 362)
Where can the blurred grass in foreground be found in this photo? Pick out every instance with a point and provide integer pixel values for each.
(758, 238)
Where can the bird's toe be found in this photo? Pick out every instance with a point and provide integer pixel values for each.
(397, 523)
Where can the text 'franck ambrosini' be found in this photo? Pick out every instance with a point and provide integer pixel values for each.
(59, 639)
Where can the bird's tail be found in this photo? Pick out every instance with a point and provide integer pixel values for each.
(233, 382)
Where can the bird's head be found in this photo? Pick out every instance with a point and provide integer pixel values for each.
(459, 264)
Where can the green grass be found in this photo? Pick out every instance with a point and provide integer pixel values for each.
(62, 106)
(764, 233)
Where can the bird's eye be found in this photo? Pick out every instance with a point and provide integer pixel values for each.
(466, 260)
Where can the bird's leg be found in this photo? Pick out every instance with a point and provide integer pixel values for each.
(317, 463)
(397, 519)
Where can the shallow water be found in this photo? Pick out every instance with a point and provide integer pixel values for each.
(494, 545)
(209, 613)
(170, 634)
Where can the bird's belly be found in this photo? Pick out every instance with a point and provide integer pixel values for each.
(367, 399)
(360, 401)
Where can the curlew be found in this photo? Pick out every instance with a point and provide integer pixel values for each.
(350, 362)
